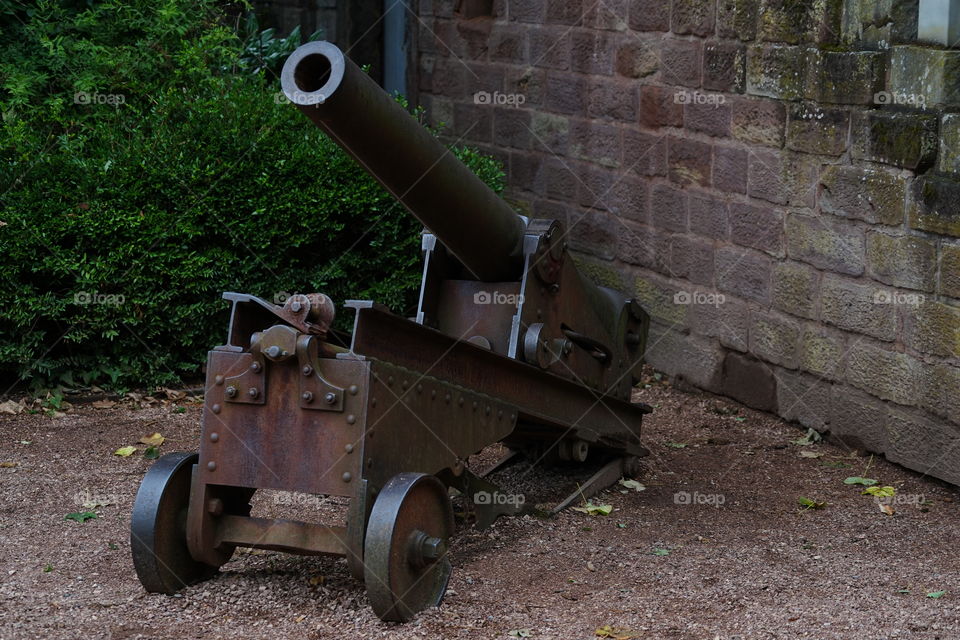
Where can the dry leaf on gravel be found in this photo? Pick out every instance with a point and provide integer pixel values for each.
(606, 631)
(123, 452)
(632, 484)
(886, 509)
(154, 440)
(810, 454)
(7, 465)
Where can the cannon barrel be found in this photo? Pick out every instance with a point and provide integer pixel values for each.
(479, 228)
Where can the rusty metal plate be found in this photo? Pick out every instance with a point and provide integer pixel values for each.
(278, 444)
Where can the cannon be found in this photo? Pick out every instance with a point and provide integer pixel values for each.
(510, 343)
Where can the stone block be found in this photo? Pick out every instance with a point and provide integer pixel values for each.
(932, 327)
(728, 320)
(889, 375)
(649, 15)
(844, 77)
(948, 160)
(511, 127)
(668, 210)
(593, 52)
(796, 289)
(568, 12)
(710, 119)
(825, 244)
(853, 306)
(660, 107)
(636, 58)
(758, 121)
(949, 268)
(902, 261)
(804, 399)
(644, 153)
(630, 198)
(595, 142)
(757, 227)
(798, 21)
(691, 258)
(858, 419)
(690, 161)
(936, 205)
(724, 67)
(737, 19)
(659, 298)
(612, 100)
(925, 445)
(749, 381)
(905, 140)
(926, 74)
(698, 361)
(774, 338)
(776, 71)
(708, 216)
(815, 130)
(566, 94)
(783, 178)
(744, 273)
(693, 17)
(551, 133)
(822, 352)
(681, 62)
(730, 168)
(549, 47)
(871, 195)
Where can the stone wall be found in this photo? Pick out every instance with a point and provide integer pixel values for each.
(778, 181)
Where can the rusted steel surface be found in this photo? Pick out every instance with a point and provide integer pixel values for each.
(303, 538)
(556, 403)
(476, 225)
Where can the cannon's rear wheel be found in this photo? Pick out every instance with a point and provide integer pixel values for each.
(406, 568)
(158, 527)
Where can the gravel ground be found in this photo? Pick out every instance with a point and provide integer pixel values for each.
(716, 547)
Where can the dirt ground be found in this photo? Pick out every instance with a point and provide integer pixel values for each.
(716, 547)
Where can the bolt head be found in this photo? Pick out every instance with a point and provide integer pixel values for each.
(307, 396)
(231, 391)
(330, 398)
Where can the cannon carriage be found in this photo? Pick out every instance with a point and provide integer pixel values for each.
(510, 343)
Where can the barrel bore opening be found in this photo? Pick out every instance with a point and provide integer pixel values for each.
(312, 73)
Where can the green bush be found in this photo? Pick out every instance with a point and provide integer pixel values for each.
(145, 171)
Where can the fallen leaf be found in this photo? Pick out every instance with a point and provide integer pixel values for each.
(103, 404)
(7, 465)
(48, 568)
(590, 567)
(606, 631)
(936, 595)
(810, 454)
(81, 516)
(172, 394)
(880, 492)
(90, 505)
(632, 484)
(124, 451)
(519, 633)
(810, 438)
(867, 482)
(595, 509)
(887, 509)
(810, 504)
(677, 445)
(660, 552)
(151, 453)
(154, 440)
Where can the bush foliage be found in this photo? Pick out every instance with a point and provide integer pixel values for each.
(149, 165)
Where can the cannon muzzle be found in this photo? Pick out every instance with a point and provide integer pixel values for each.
(479, 228)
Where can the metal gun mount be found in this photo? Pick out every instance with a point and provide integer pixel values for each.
(510, 344)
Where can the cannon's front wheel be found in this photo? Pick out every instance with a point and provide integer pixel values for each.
(406, 568)
(158, 527)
